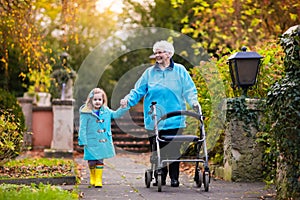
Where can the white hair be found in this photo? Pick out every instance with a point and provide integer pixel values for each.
(165, 46)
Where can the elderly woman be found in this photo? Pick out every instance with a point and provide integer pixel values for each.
(169, 85)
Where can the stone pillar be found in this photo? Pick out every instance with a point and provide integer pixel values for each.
(63, 123)
(242, 154)
(26, 104)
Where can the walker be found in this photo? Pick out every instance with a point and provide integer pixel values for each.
(201, 176)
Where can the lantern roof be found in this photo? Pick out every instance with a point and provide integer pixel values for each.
(245, 55)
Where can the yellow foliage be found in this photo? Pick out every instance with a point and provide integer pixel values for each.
(229, 23)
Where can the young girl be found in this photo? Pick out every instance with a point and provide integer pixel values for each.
(95, 132)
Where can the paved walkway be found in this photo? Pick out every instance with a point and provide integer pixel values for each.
(123, 178)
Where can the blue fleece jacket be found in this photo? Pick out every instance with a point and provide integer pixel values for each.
(171, 88)
(95, 132)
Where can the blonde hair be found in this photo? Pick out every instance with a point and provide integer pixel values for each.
(164, 45)
(91, 95)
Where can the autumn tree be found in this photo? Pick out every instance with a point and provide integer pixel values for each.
(231, 23)
(20, 41)
(24, 49)
(35, 33)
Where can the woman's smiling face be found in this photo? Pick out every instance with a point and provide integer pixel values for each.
(161, 56)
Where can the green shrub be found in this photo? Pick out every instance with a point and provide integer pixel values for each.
(283, 112)
(213, 83)
(41, 191)
(11, 137)
(9, 102)
(12, 126)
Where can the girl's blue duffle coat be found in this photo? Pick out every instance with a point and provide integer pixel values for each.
(95, 132)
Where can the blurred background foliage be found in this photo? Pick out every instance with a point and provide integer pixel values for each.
(34, 34)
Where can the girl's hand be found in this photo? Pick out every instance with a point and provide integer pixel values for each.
(123, 103)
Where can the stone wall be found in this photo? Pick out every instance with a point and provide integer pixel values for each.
(49, 126)
(242, 154)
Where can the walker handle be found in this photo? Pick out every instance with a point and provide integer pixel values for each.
(181, 112)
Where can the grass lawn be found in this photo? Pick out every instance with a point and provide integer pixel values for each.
(37, 168)
(31, 165)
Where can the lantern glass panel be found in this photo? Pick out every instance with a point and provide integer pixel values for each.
(247, 71)
(233, 72)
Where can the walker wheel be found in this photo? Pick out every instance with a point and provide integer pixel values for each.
(148, 178)
(159, 177)
(206, 180)
(199, 178)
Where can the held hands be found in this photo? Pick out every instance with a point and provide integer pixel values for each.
(123, 103)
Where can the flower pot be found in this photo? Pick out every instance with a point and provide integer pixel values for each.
(43, 99)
